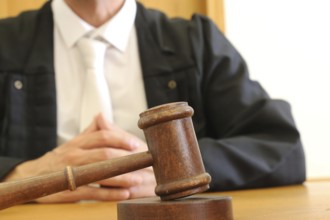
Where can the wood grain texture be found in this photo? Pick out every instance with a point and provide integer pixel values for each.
(25, 190)
(199, 207)
(172, 142)
(308, 201)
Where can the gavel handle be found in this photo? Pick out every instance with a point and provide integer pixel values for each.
(21, 191)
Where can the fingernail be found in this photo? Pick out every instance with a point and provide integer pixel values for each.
(123, 195)
(134, 144)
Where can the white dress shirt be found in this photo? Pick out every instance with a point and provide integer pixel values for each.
(122, 68)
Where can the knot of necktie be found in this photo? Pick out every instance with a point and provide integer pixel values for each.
(92, 52)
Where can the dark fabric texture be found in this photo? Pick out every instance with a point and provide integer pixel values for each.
(246, 139)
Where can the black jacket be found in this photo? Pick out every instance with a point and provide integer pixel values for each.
(246, 139)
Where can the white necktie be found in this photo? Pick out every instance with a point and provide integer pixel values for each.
(95, 96)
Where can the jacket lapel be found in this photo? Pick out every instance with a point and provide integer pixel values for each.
(41, 58)
(41, 90)
(162, 65)
(152, 50)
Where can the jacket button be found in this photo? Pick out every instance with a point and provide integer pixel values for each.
(18, 84)
(171, 84)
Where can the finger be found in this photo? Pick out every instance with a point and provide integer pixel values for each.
(123, 181)
(104, 138)
(99, 122)
(94, 155)
(87, 193)
(147, 187)
(57, 159)
(141, 190)
(102, 122)
(92, 127)
(105, 194)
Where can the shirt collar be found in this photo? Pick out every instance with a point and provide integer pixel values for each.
(116, 31)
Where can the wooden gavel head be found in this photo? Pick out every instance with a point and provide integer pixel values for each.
(172, 142)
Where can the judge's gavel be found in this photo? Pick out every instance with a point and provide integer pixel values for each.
(173, 153)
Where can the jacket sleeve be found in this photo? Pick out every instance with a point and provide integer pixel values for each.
(251, 140)
(27, 126)
(7, 165)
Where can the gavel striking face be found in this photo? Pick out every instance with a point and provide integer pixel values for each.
(173, 153)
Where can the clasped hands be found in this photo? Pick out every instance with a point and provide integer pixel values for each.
(100, 141)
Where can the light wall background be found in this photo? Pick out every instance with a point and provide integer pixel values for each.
(182, 8)
(286, 44)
